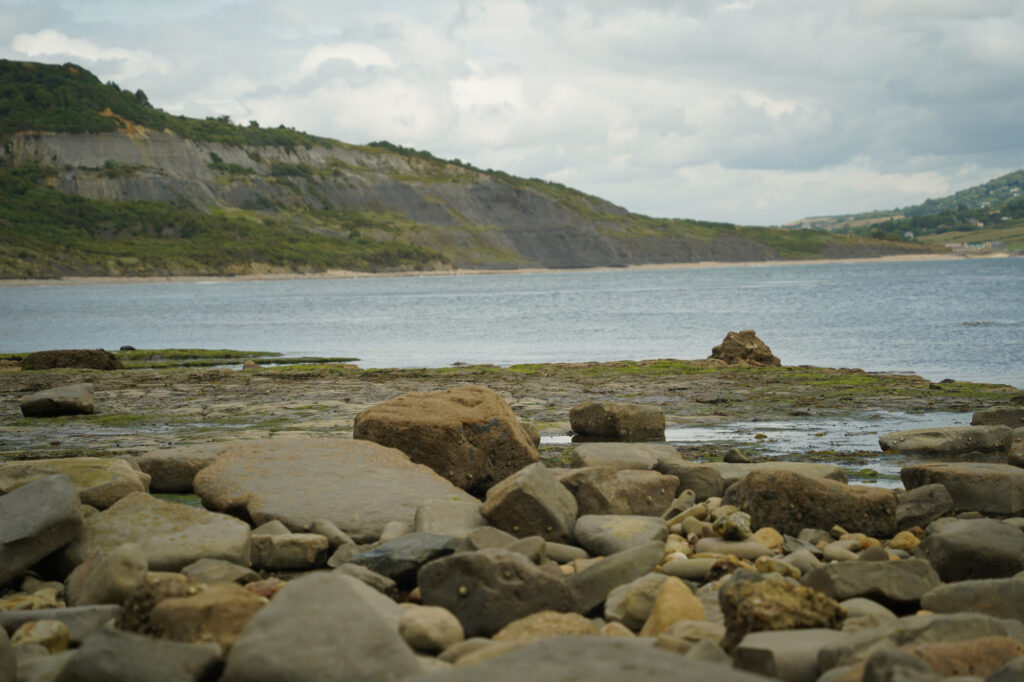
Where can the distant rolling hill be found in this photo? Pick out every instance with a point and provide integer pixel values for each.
(94, 180)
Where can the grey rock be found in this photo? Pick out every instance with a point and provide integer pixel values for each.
(82, 621)
(430, 629)
(487, 537)
(8, 661)
(171, 535)
(595, 659)
(172, 470)
(898, 585)
(733, 473)
(919, 629)
(630, 604)
(43, 667)
(710, 652)
(704, 480)
(862, 614)
(357, 485)
(618, 421)
(290, 552)
(100, 481)
(54, 402)
(976, 486)
(591, 586)
(454, 518)
(1015, 456)
(971, 549)
(400, 559)
(894, 665)
(600, 490)
(533, 548)
(300, 636)
(790, 655)
(923, 504)
(532, 502)
(111, 577)
(741, 549)
(381, 583)
(393, 530)
(997, 597)
(489, 588)
(563, 554)
(790, 502)
(1012, 671)
(735, 456)
(118, 656)
(35, 520)
(950, 440)
(1005, 415)
(694, 570)
(219, 571)
(803, 559)
(616, 455)
(274, 527)
(335, 536)
(607, 534)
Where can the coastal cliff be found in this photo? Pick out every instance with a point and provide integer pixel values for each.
(371, 207)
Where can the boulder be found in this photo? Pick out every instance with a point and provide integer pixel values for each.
(532, 502)
(600, 490)
(617, 455)
(400, 559)
(985, 487)
(219, 571)
(607, 533)
(1004, 415)
(469, 434)
(215, 612)
(72, 359)
(618, 421)
(899, 585)
(732, 473)
(595, 659)
(790, 502)
(114, 655)
(922, 504)
(108, 577)
(745, 349)
(430, 629)
(454, 518)
(998, 597)
(300, 636)
(790, 655)
(591, 586)
(545, 624)
(975, 548)
(81, 621)
(751, 603)
(62, 400)
(289, 552)
(490, 588)
(171, 535)
(630, 604)
(674, 602)
(100, 481)
(172, 470)
(35, 520)
(950, 440)
(1015, 457)
(357, 485)
(1012, 671)
(703, 479)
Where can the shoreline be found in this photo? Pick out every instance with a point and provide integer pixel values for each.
(354, 274)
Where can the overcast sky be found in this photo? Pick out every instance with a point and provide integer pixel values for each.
(749, 111)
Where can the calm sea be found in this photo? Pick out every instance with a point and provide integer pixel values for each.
(960, 319)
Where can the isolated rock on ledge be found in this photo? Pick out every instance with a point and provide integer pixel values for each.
(76, 359)
(54, 402)
(745, 349)
(469, 434)
(618, 421)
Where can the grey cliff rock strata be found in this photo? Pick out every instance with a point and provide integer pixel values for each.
(357, 485)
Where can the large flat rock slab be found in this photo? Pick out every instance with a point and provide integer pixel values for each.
(171, 535)
(356, 484)
(61, 400)
(100, 481)
(733, 472)
(951, 440)
(985, 487)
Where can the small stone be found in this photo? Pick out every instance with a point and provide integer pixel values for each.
(904, 540)
(769, 537)
(52, 634)
(674, 602)
(736, 456)
(430, 629)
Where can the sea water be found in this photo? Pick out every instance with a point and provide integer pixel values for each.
(959, 319)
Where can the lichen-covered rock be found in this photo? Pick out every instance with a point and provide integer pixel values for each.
(746, 349)
(100, 481)
(469, 434)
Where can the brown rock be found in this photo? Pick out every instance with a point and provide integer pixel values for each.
(600, 490)
(744, 348)
(77, 359)
(545, 624)
(674, 602)
(790, 502)
(469, 434)
(618, 421)
(217, 613)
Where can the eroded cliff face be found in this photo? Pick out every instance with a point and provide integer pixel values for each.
(477, 218)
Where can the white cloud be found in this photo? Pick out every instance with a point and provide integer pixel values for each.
(359, 54)
(48, 43)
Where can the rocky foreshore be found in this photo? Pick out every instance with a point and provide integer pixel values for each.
(421, 535)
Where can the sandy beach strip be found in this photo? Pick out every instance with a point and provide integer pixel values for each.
(353, 274)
